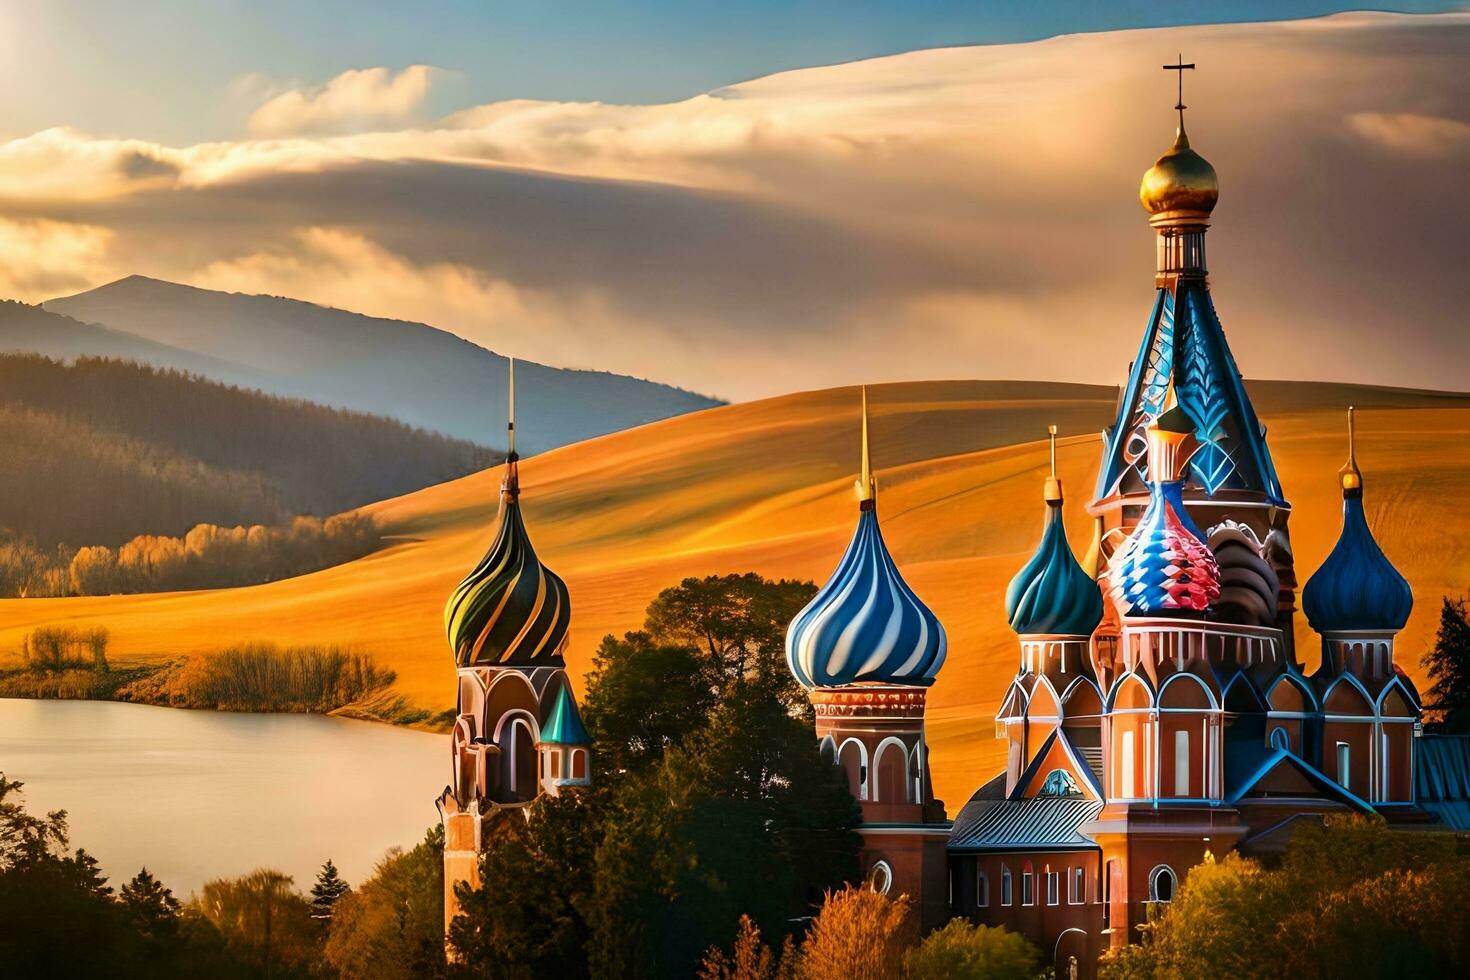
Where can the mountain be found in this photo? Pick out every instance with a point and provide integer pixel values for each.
(410, 371)
(767, 486)
(98, 451)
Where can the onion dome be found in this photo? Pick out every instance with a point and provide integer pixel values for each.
(1181, 180)
(865, 624)
(1164, 567)
(564, 724)
(1052, 594)
(1357, 587)
(511, 610)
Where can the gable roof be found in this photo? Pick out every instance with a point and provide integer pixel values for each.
(1442, 778)
(1250, 762)
(1033, 823)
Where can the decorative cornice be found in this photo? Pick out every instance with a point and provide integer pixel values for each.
(868, 702)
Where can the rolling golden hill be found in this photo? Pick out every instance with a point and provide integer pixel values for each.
(767, 486)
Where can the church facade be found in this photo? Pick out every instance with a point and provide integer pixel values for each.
(1159, 711)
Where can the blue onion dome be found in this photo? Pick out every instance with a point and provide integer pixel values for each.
(1052, 594)
(511, 610)
(1357, 587)
(865, 624)
(563, 725)
(1164, 567)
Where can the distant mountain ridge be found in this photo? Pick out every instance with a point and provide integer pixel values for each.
(413, 372)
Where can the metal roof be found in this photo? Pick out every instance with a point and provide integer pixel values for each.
(1033, 823)
(1442, 778)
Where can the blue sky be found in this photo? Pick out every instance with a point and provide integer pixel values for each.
(171, 71)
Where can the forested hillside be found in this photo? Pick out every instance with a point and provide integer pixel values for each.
(98, 451)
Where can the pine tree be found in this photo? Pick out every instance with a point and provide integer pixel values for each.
(150, 905)
(1449, 669)
(328, 889)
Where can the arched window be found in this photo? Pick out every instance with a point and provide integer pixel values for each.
(892, 766)
(1344, 764)
(579, 763)
(982, 890)
(1006, 886)
(1028, 884)
(880, 877)
(1280, 739)
(1161, 883)
(522, 759)
(853, 757)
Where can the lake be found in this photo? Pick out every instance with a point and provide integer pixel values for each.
(196, 795)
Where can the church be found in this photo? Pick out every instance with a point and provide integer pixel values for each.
(1159, 711)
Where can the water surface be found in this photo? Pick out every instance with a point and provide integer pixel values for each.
(196, 795)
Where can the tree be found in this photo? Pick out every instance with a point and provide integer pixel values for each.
(328, 889)
(858, 935)
(1449, 668)
(263, 920)
(527, 919)
(641, 698)
(151, 908)
(750, 959)
(392, 925)
(961, 951)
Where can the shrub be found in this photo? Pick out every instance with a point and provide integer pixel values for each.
(858, 935)
(961, 951)
(265, 677)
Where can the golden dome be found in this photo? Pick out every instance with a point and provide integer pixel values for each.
(1181, 180)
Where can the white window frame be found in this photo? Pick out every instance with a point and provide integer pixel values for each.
(1153, 883)
(1053, 888)
(1028, 887)
(1126, 767)
(1345, 765)
(1181, 762)
(1076, 886)
(1007, 887)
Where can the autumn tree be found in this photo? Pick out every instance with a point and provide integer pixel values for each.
(392, 925)
(263, 919)
(749, 959)
(859, 934)
(1449, 669)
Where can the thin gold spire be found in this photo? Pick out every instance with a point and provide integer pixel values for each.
(865, 487)
(1350, 476)
(1053, 488)
(510, 426)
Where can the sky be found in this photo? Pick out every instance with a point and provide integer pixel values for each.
(630, 187)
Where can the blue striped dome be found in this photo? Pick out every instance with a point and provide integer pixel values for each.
(1052, 594)
(1357, 587)
(865, 624)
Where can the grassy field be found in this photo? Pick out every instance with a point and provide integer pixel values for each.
(767, 486)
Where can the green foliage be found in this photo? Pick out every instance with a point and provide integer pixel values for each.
(711, 801)
(99, 451)
(961, 951)
(392, 925)
(536, 928)
(55, 648)
(151, 908)
(1449, 669)
(263, 920)
(327, 891)
(1351, 898)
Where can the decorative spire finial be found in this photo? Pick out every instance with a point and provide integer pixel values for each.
(1052, 492)
(865, 487)
(511, 488)
(1179, 106)
(1350, 476)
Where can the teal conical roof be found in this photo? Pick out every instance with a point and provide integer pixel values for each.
(1052, 594)
(564, 722)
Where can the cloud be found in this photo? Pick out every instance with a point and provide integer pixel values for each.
(956, 212)
(357, 99)
(40, 259)
(1413, 133)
